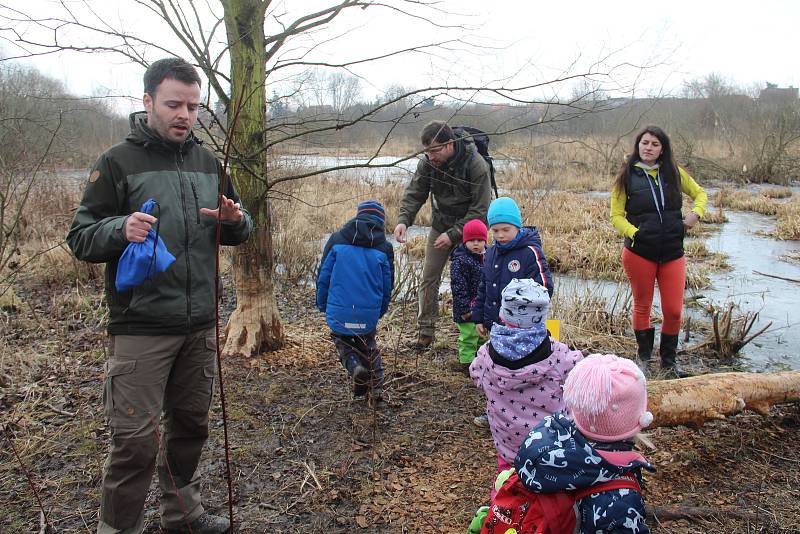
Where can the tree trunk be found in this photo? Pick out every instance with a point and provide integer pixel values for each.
(692, 401)
(255, 325)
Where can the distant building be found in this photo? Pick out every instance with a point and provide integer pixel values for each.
(773, 93)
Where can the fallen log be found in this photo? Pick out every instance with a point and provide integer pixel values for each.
(692, 401)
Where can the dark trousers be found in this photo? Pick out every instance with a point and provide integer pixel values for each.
(145, 377)
(360, 349)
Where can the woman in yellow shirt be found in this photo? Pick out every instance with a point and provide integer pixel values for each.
(646, 206)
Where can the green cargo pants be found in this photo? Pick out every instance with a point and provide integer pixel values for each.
(468, 342)
(144, 376)
(435, 260)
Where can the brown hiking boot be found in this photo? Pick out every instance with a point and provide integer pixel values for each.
(423, 342)
(205, 524)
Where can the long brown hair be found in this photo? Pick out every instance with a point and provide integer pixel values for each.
(668, 170)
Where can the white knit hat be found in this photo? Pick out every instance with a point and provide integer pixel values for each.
(524, 304)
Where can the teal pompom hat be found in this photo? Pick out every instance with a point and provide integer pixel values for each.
(504, 210)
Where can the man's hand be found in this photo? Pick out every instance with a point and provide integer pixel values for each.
(691, 220)
(443, 242)
(137, 225)
(228, 211)
(466, 316)
(400, 233)
(481, 329)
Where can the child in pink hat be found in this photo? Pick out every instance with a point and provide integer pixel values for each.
(607, 399)
(466, 262)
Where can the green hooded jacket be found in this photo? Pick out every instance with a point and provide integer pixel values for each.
(459, 192)
(182, 178)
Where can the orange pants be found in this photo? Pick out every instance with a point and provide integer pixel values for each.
(671, 277)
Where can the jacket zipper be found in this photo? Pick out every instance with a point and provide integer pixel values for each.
(178, 164)
(196, 201)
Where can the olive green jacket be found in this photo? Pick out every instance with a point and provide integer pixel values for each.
(459, 191)
(182, 179)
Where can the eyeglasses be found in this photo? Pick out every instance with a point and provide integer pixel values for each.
(436, 149)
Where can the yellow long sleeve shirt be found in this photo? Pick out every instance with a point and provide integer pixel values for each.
(619, 198)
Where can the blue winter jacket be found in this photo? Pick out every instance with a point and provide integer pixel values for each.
(523, 259)
(465, 277)
(356, 277)
(555, 456)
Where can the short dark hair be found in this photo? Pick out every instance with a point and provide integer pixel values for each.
(436, 132)
(171, 67)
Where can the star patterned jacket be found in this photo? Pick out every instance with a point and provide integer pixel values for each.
(465, 275)
(555, 456)
(519, 393)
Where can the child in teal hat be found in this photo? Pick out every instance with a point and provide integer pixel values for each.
(516, 253)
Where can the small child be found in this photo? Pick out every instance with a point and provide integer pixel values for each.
(516, 253)
(607, 398)
(521, 369)
(466, 261)
(354, 285)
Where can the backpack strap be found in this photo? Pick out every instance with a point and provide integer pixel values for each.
(626, 481)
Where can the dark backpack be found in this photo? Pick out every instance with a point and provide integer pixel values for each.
(481, 140)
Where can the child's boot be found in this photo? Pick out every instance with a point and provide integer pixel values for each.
(360, 380)
(359, 373)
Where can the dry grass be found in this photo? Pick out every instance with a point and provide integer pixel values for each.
(43, 254)
(788, 225)
(577, 235)
(746, 201)
(776, 192)
(553, 166)
(593, 321)
(714, 216)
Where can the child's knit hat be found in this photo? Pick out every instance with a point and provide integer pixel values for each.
(607, 396)
(372, 209)
(474, 229)
(504, 210)
(524, 304)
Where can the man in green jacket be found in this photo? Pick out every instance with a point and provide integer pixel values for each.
(456, 177)
(162, 339)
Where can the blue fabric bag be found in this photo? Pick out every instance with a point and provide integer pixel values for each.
(142, 261)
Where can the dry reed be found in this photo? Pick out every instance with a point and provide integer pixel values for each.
(788, 225)
(745, 201)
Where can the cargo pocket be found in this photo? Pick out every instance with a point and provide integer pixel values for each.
(113, 370)
(208, 374)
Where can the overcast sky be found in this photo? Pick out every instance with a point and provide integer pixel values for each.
(747, 42)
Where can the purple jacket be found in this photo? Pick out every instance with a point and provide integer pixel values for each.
(519, 394)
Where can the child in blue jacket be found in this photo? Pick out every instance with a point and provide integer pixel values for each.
(354, 287)
(516, 253)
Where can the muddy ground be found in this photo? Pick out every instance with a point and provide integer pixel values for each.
(307, 458)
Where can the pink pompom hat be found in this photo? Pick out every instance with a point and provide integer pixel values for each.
(607, 396)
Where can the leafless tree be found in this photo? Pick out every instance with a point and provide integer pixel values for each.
(243, 46)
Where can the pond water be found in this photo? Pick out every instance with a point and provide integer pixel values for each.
(401, 171)
(749, 253)
(753, 257)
